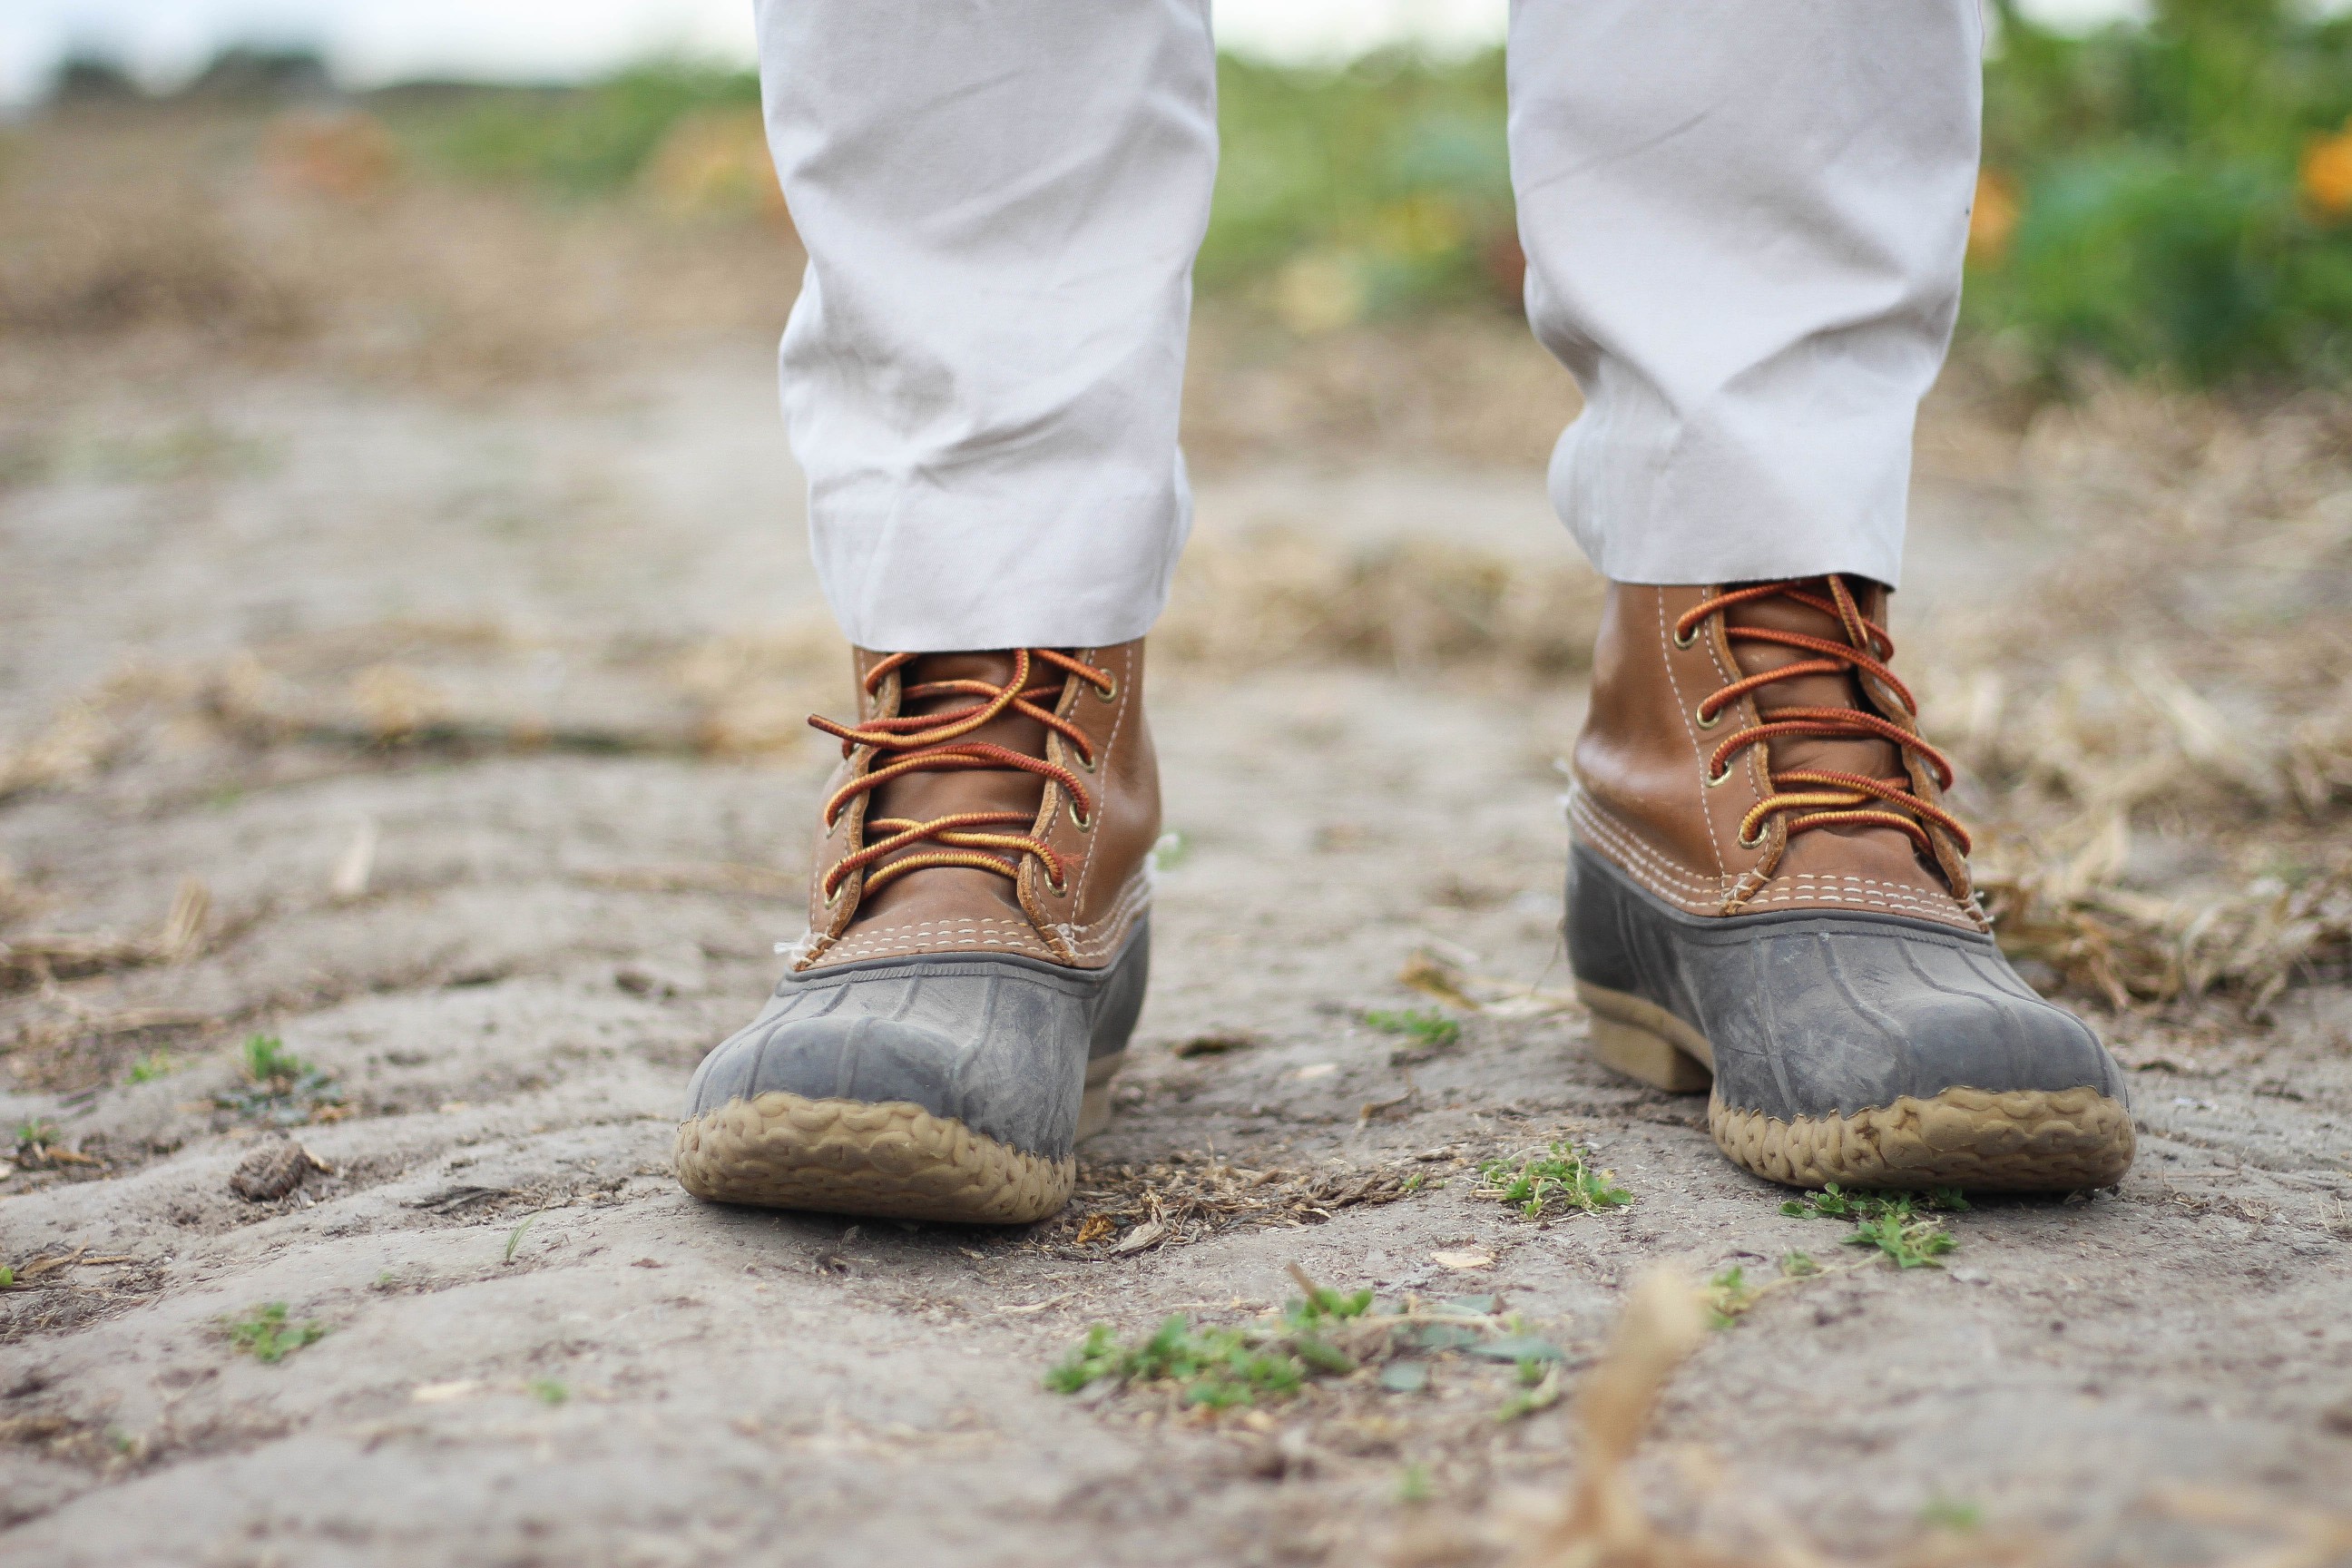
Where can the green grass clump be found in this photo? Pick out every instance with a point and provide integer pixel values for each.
(280, 1087)
(1219, 1367)
(264, 1333)
(155, 1064)
(1888, 1221)
(1323, 1333)
(548, 1390)
(265, 1059)
(1215, 1367)
(1426, 1026)
(1565, 1178)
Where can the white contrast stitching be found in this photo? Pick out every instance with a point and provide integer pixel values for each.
(1665, 652)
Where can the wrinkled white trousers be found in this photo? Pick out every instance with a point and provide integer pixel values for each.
(1744, 222)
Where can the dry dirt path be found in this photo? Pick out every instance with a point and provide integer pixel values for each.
(504, 958)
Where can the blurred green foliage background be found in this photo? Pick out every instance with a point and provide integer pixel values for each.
(2173, 195)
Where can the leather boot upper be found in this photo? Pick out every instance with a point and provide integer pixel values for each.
(1692, 723)
(1028, 833)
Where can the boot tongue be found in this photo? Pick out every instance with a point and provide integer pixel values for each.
(1870, 757)
(949, 892)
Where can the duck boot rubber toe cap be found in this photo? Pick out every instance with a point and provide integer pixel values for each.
(931, 1087)
(1869, 1050)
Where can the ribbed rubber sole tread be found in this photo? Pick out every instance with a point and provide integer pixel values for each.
(893, 1161)
(2017, 1141)
(2022, 1141)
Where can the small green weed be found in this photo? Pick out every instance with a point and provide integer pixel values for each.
(1540, 1387)
(266, 1057)
(1954, 1514)
(1912, 1243)
(1427, 1026)
(155, 1064)
(35, 1138)
(1321, 1333)
(1731, 1293)
(547, 1391)
(1888, 1221)
(1565, 1178)
(7, 1278)
(1215, 1367)
(1835, 1203)
(1413, 1485)
(280, 1087)
(264, 1333)
(1728, 1295)
(514, 1238)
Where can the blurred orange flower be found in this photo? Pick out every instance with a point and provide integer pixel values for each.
(715, 161)
(2328, 173)
(342, 152)
(1993, 218)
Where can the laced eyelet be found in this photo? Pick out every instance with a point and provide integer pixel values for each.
(1087, 762)
(1712, 780)
(1059, 889)
(1746, 843)
(1108, 692)
(834, 897)
(1705, 720)
(1079, 821)
(1684, 642)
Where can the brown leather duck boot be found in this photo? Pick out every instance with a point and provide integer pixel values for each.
(976, 955)
(1766, 893)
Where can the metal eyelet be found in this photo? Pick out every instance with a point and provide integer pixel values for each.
(1684, 642)
(1711, 780)
(1705, 722)
(1082, 823)
(1088, 762)
(1110, 694)
(834, 897)
(1059, 889)
(1746, 843)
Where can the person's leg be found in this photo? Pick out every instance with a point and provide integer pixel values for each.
(1744, 223)
(1000, 202)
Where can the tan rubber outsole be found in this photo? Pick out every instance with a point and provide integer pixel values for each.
(892, 1161)
(2015, 1140)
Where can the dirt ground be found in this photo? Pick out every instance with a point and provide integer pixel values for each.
(447, 729)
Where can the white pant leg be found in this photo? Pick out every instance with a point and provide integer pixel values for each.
(1744, 221)
(1001, 201)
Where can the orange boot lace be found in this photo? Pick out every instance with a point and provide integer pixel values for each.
(934, 742)
(1807, 797)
